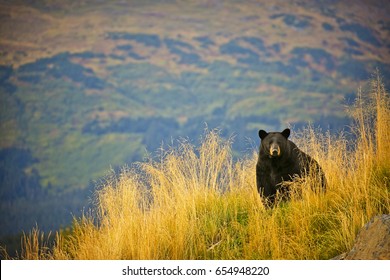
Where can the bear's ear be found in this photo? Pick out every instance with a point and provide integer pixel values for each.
(286, 133)
(262, 134)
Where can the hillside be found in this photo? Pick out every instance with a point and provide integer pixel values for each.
(87, 87)
(197, 203)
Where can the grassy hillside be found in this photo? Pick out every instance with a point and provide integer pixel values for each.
(198, 203)
(88, 87)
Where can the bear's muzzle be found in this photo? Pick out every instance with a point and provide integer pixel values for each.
(274, 150)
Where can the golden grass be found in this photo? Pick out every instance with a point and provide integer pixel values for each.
(199, 203)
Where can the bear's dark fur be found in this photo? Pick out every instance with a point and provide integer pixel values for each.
(279, 161)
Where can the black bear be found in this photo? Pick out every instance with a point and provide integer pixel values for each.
(279, 161)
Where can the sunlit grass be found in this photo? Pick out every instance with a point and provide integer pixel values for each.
(199, 203)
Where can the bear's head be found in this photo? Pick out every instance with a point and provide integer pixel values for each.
(274, 144)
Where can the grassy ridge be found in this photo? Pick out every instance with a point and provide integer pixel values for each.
(197, 203)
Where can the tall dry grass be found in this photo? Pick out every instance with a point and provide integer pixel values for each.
(199, 203)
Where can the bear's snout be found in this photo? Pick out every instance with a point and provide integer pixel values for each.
(274, 150)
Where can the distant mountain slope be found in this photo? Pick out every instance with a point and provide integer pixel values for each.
(89, 86)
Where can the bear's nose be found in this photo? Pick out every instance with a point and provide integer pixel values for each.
(274, 150)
